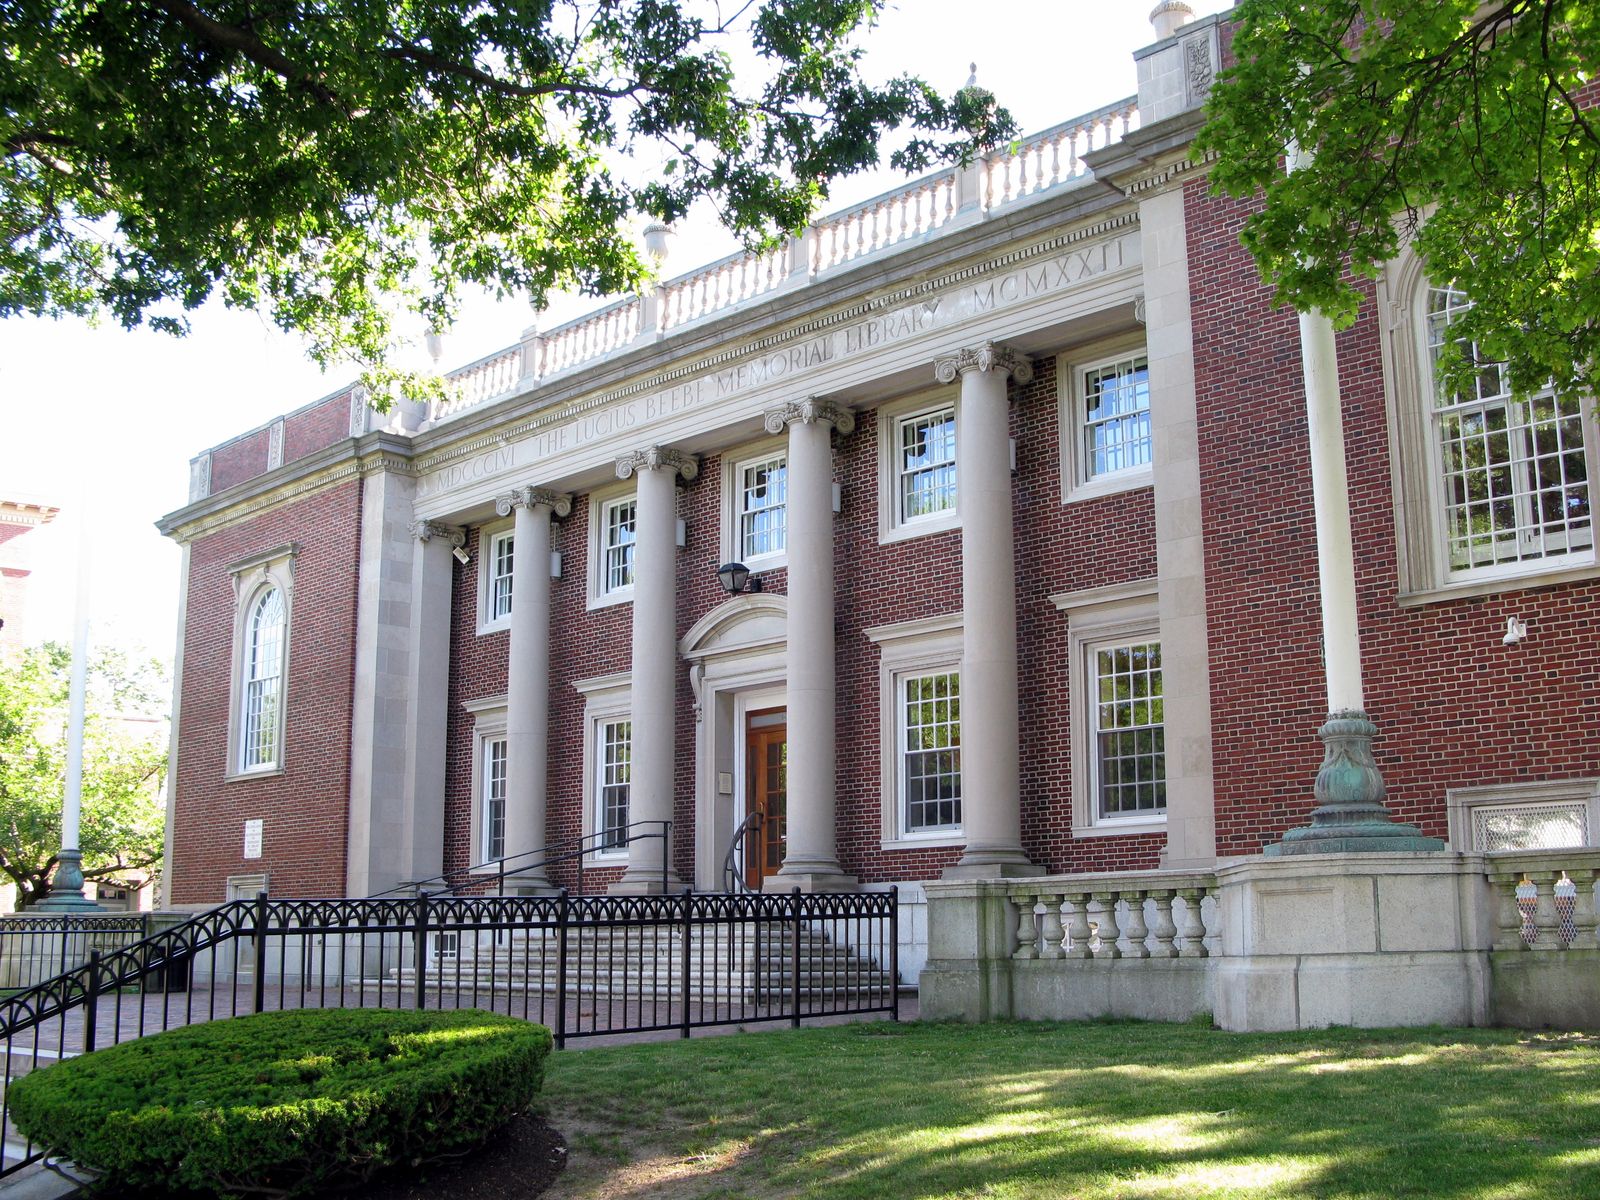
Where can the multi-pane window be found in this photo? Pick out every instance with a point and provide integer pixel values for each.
(1127, 740)
(619, 522)
(1513, 470)
(502, 550)
(931, 751)
(763, 506)
(1116, 416)
(613, 778)
(925, 463)
(494, 799)
(262, 690)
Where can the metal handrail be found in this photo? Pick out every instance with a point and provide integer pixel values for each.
(733, 863)
(498, 870)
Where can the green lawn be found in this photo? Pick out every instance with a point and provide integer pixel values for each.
(1092, 1110)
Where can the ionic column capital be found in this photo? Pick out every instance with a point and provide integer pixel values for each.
(559, 503)
(811, 410)
(986, 356)
(425, 531)
(654, 458)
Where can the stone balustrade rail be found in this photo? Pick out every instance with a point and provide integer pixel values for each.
(923, 208)
(1137, 915)
(1545, 899)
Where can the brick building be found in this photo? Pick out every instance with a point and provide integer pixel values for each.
(1017, 455)
(18, 518)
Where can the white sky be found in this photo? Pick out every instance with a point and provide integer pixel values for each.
(104, 421)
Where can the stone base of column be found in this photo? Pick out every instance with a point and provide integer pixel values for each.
(809, 879)
(992, 862)
(648, 884)
(1352, 817)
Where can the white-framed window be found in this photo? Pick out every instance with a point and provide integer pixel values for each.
(607, 763)
(755, 507)
(613, 773)
(1107, 443)
(917, 491)
(263, 585)
(493, 798)
(920, 731)
(500, 561)
(1540, 815)
(1127, 735)
(613, 525)
(1513, 471)
(1116, 709)
(1493, 492)
(929, 734)
(491, 773)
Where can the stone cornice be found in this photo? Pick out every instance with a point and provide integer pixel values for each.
(658, 458)
(985, 356)
(346, 460)
(559, 503)
(426, 531)
(809, 411)
(558, 412)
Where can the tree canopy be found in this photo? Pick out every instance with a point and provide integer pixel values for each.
(124, 760)
(330, 161)
(1471, 130)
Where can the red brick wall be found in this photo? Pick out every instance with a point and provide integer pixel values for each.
(316, 427)
(239, 460)
(1454, 707)
(305, 808)
(1059, 549)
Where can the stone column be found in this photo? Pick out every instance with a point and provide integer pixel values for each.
(421, 835)
(528, 682)
(811, 860)
(655, 656)
(991, 809)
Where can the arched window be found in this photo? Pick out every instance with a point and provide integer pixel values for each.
(261, 693)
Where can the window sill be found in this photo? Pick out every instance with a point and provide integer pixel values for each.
(259, 773)
(931, 842)
(1469, 588)
(610, 600)
(500, 625)
(1111, 485)
(921, 528)
(1120, 828)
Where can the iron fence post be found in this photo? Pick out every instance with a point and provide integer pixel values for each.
(561, 971)
(260, 982)
(794, 964)
(64, 931)
(91, 1002)
(666, 857)
(894, 952)
(688, 927)
(419, 950)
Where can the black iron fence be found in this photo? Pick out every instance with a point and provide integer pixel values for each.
(586, 966)
(36, 947)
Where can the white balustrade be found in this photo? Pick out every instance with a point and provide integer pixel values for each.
(920, 209)
(1108, 917)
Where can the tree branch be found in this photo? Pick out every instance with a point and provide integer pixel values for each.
(504, 87)
(245, 42)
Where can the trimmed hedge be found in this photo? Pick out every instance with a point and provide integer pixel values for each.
(284, 1103)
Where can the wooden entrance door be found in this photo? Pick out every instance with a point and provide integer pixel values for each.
(766, 792)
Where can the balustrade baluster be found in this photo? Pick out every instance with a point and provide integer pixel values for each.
(1050, 928)
(1027, 929)
(1078, 931)
(1108, 932)
(1508, 918)
(1055, 160)
(1137, 931)
(904, 205)
(1584, 916)
(1165, 931)
(1193, 928)
(1544, 914)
